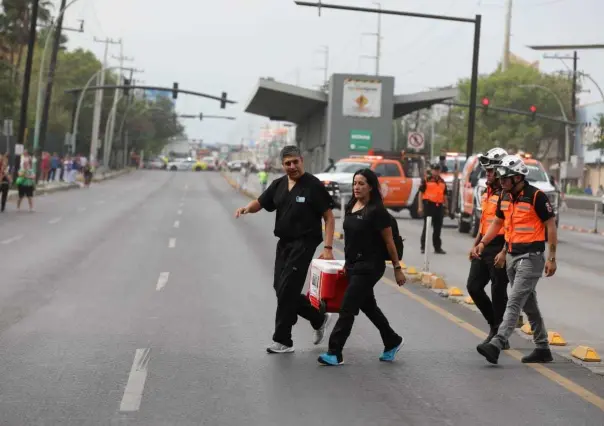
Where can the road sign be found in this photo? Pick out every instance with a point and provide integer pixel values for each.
(360, 140)
(8, 127)
(416, 140)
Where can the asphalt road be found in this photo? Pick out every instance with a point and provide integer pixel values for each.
(142, 301)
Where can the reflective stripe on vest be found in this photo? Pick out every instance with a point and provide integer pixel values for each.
(522, 224)
(435, 191)
(489, 208)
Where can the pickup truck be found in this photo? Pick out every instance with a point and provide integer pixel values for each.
(399, 176)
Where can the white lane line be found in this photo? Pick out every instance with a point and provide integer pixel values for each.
(177, 224)
(172, 243)
(55, 220)
(162, 280)
(179, 212)
(100, 202)
(11, 240)
(81, 209)
(186, 186)
(133, 394)
(181, 204)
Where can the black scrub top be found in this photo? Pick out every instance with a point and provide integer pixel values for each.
(363, 241)
(299, 211)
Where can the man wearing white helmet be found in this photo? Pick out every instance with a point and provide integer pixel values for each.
(529, 222)
(490, 266)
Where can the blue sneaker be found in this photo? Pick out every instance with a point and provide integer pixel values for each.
(390, 355)
(328, 359)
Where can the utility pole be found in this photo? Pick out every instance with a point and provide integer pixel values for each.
(31, 43)
(325, 67)
(505, 61)
(116, 98)
(49, 83)
(378, 46)
(98, 101)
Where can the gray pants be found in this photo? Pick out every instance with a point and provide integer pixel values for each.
(524, 272)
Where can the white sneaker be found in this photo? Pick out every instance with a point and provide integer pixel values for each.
(278, 348)
(319, 334)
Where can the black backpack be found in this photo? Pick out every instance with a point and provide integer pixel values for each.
(398, 240)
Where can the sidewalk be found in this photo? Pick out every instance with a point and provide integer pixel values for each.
(571, 301)
(50, 187)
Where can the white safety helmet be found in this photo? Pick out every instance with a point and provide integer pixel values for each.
(511, 165)
(492, 158)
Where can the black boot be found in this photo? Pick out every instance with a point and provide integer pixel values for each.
(492, 333)
(489, 351)
(538, 356)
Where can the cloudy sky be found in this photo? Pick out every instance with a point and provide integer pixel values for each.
(212, 46)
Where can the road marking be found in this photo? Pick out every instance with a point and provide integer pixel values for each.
(186, 186)
(55, 220)
(172, 243)
(162, 280)
(81, 209)
(181, 204)
(133, 394)
(179, 212)
(100, 202)
(567, 384)
(11, 240)
(177, 224)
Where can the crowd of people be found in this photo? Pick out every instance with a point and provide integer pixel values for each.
(53, 168)
(517, 224)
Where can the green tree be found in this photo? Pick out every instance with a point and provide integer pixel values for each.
(599, 142)
(512, 131)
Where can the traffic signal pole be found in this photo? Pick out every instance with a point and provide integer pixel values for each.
(475, 54)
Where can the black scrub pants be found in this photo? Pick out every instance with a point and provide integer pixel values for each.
(437, 213)
(291, 266)
(482, 271)
(359, 296)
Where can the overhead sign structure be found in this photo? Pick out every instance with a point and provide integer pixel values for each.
(360, 140)
(416, 140)
(362, 98)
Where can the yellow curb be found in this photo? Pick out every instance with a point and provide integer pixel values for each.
(426, 277)
(585, 353)
(526, 329)
(455, 292)
(411, 270)
(468, 300)
(437, 283)
(555, 339)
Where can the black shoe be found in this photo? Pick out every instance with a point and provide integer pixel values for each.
(538, 356)
(440, 251)
(423, 251)
(492, 333)
(506, 345)
(489, 351)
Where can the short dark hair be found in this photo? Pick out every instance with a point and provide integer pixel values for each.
(290, 151)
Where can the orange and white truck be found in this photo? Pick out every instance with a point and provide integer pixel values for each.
(400, 175)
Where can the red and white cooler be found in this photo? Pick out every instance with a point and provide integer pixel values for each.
(328, 283)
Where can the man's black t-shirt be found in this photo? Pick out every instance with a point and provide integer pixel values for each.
(299, 211)
(363, 240)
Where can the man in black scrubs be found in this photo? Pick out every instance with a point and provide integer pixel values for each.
(301, 201)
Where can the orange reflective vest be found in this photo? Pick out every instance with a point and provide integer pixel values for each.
(490, 198)
(435, 191)
(524, 230)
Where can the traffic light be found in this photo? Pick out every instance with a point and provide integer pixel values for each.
(175, 90)
(126, 89)
(201, 116)
(223, 100)
(485, 102)
(533, 110)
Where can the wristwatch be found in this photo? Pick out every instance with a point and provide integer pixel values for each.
(551, 259)
(328, 247)
(398, 267)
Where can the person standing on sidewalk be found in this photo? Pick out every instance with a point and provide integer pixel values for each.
(368, 238)
(490, 266)
(529, 222)
(5, 181)
(433, 193)
(263, 178)
(301, 201)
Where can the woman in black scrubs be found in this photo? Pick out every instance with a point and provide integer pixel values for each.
(368, 234)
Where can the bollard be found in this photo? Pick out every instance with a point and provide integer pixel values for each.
(595, 230)
(427, 244)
